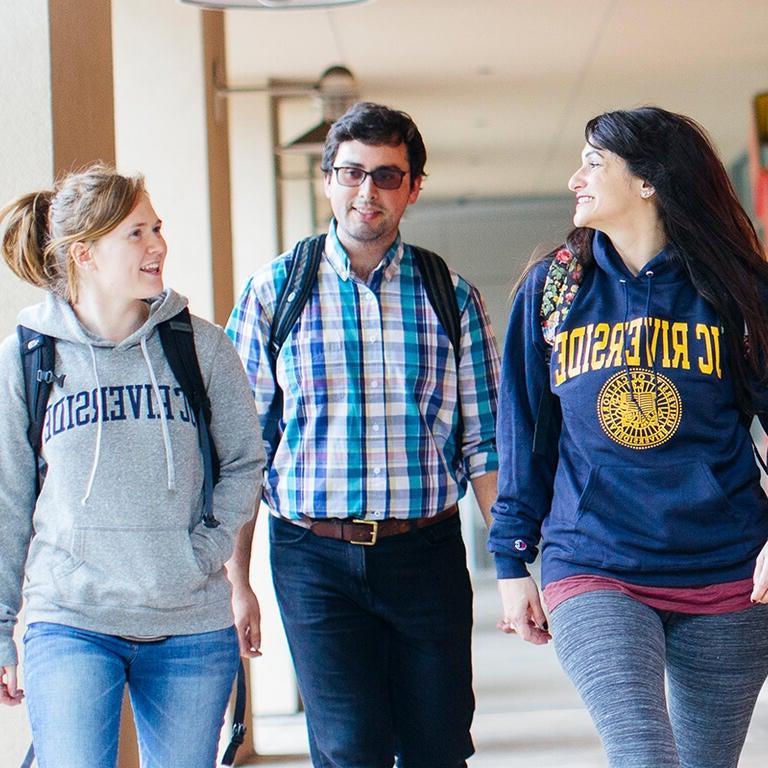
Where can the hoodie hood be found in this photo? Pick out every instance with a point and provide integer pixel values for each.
(55, 317)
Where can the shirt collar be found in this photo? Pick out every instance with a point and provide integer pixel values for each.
(338, 257)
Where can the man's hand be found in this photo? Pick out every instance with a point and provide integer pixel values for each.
(522, 611)
(10, 693)
(245, 606)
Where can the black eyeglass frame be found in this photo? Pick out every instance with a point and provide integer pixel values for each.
(372, 174)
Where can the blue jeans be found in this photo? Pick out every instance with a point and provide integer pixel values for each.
(618, 651)
(380, 638)
(179, 688)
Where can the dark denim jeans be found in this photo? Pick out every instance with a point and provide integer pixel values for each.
(380, 637)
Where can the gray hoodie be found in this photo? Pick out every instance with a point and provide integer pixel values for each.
(115, 543)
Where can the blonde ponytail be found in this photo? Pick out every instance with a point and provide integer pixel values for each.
(24, 223)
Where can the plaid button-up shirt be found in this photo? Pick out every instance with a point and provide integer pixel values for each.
(369, 384)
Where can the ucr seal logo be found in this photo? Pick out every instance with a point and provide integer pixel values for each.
(645, 420)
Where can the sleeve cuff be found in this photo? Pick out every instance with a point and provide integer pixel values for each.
(510, 567)
(481, 463)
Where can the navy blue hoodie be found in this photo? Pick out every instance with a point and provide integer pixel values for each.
(655, 482)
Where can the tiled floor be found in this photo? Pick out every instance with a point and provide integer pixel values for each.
(527, 713)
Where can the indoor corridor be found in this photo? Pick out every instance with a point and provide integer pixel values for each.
(527, 713)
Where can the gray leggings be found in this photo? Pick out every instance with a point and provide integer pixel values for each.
(616, 651)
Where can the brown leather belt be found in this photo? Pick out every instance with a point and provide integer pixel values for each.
(367, 532)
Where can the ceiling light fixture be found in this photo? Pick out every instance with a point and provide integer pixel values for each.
(268, 5)
(336, 92)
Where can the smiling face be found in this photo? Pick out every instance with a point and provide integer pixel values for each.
(127, 263)
(367, 216)
(607, 194)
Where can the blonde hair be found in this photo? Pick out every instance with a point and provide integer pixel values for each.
(39, 228)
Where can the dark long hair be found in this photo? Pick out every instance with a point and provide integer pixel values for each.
(712, 234)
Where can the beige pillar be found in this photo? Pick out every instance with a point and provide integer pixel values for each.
(217, 128)
(82, 102)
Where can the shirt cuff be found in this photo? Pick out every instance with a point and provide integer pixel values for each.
(481, 463)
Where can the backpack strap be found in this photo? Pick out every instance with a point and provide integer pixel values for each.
(438, 284)
(564, 276)
(178, 342)
(29, 758)
(239, 727)
(38, 357)
(302, 274)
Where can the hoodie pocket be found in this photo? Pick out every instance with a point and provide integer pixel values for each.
(664, 519)
(132, 568)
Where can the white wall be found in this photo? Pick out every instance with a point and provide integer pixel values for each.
(251, 180)
(26, 164)
(26, 152)
(160, 130)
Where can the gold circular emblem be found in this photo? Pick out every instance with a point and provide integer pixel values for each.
(643, 416)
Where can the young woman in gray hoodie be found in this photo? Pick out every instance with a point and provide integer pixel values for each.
(123, 583)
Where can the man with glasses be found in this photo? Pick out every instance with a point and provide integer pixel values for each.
(367, 557)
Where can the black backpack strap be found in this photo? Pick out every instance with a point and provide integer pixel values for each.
(302, 274)
(178, 342)
(239, 727)
(29, 758)
(441, 293)
(38, 357)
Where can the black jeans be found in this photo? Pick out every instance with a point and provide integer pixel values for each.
(380, 637)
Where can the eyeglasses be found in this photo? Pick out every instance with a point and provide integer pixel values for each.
(384, 177)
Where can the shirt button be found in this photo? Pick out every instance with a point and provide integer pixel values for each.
(377, 470)
(374, 384)
(375, 427)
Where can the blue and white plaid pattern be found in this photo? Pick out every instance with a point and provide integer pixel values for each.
(369, 385)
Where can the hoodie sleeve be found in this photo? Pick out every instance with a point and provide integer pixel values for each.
(17, 493)
(525, 480)
(235, 430)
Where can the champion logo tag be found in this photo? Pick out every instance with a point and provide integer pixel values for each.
(520, 545)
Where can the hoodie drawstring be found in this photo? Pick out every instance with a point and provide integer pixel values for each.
(171, 472)
(650, 275)
(99, 423)
(647, 317)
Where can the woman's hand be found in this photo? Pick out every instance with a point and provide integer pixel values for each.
(245, 606)
(522, 611)
(760, 578)
(9, 692)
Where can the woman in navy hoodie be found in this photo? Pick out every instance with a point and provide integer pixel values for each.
(651, 332)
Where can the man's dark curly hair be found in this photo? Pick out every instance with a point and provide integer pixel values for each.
(376, 124)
